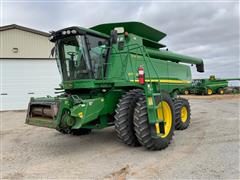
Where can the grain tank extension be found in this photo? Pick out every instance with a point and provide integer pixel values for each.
(117, 75)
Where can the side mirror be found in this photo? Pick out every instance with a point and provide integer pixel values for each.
(53, 51)
(200, 67)
(114, 36)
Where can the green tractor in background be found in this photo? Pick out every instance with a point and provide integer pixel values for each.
(116, 75)
(208, 86)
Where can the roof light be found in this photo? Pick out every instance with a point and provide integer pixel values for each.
(68, 32)
(64, 32)
(74, 31)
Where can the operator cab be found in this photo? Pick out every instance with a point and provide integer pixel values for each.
(80, 54)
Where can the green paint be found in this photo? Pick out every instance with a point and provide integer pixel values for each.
(42, 122)
(200, 86)
(95, 73)
(87, 111)
(136, 28)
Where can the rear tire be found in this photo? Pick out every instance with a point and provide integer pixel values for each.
(143, 128)
(209, 91)
(124, 117)
(221, 91)
(186, 92)
(183, 113)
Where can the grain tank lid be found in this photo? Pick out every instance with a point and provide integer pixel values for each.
(152, 44)
(137, 28)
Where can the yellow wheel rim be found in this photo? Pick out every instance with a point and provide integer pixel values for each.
(186, 92)
(164, 113)
(184, 114)
(209, 91)
(221, 91)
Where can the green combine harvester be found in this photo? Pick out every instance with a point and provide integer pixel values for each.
(116, 75)
(208, 86)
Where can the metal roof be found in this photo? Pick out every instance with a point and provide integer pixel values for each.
(15, 26)
(137, 28)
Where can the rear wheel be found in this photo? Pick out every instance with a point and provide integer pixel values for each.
(124, 117)
(186, 92)
(183, 113)
(209, 91)
(221, 91)
(143, 128)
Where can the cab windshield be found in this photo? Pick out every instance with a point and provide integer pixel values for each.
(78, 59)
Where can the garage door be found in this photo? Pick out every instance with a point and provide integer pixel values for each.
(22, 79)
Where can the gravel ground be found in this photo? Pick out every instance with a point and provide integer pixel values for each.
(209, 148)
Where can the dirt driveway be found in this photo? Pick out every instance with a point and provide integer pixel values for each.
(209, 148)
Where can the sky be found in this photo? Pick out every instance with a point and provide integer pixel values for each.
(205, 29)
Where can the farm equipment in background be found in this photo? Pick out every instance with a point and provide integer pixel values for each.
(116, 74)
(209, 86)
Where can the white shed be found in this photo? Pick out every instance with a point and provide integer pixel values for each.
(26, 68)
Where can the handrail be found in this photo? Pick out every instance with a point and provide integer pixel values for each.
(141, 50)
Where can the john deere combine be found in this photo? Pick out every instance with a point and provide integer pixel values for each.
(208, 86)
(116, 74)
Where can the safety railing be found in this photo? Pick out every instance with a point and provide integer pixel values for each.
(126, 59)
